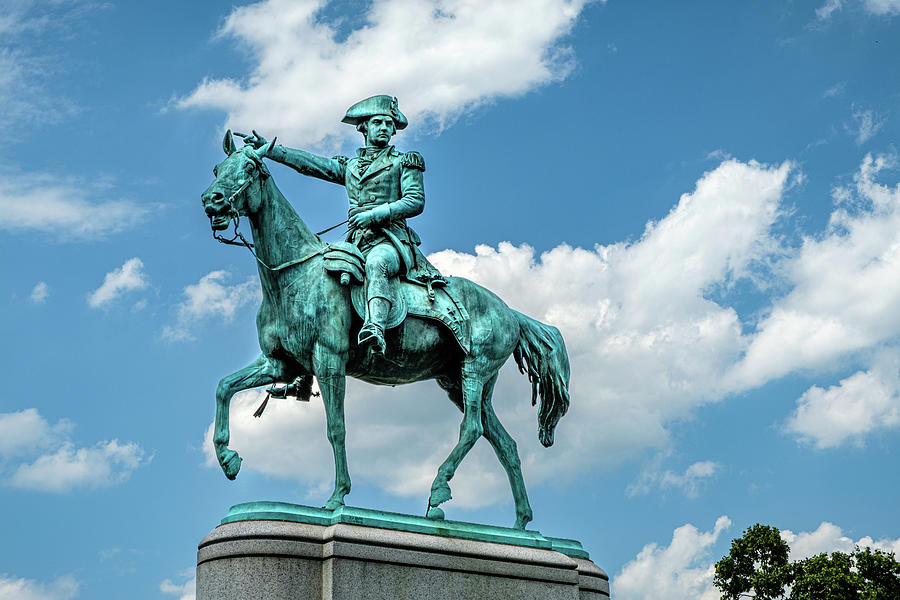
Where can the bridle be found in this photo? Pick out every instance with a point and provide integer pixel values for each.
(236, 216)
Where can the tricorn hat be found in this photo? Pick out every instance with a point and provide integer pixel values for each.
(376, 105)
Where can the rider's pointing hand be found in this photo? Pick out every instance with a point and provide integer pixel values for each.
(255, 140)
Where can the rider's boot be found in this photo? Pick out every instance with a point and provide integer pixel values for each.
(372, 331)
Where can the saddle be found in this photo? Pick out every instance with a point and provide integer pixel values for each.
(435, 299)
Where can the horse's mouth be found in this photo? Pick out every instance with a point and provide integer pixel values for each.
(219, 222)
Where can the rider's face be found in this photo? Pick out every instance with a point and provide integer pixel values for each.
(379, 130)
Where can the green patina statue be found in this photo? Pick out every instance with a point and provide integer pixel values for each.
(372, 307)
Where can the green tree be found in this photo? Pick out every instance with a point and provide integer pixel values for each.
(757, 567)
(880, 573)
(824, 577)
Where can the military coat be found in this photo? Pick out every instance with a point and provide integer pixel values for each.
(390, 185)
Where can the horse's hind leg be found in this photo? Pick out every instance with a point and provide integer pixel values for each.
(500, 440)
(469, 432)
(508, 453)
(261, 372)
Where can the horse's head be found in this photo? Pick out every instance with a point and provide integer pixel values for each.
(235, 190)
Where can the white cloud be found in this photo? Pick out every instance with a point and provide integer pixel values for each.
(690, 482)
(34, 16)
(646, 347)
(35, 455)
(825, 11)
(680, 571)
(876, 7)
(26, 431)
(28, 97)
(211, 298)
(439, 58)
(129, 277)
(65, 207)
(845, 288)
(864, 402)
(24, 99)
(719, 155)
(105, 464)
(185, 591)
(882, 7)
(866, 124)
(835, 90)
(15, 588)
(828, 537)
(692, 478)
(40, 292)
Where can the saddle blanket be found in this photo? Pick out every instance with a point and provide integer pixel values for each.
(438, 301)
(412, 299)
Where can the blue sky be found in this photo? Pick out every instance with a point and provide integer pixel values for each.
(703, 197)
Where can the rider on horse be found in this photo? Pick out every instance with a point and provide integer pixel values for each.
(385, 188)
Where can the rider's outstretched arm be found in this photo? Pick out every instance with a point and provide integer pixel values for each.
(307, 163)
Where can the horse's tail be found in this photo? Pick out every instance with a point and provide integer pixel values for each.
(541, 354)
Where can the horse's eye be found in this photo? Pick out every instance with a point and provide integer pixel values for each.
(215, 171)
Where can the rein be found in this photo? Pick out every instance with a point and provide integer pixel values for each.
(243, 242)
(236, 219)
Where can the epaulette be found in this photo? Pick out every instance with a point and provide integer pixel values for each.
(413, 160)
(341, 159)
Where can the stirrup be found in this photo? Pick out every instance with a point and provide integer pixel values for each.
(372, 333)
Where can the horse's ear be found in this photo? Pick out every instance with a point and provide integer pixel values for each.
(228, 143)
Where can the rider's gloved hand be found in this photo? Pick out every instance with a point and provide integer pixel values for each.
(380, 215)
(363, 219)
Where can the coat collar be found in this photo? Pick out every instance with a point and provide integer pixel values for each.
(382, 161)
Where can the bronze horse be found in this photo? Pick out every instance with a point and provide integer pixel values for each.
(307, 327)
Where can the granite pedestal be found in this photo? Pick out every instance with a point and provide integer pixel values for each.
(277, 551)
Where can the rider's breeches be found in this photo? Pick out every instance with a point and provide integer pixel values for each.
(382, 263)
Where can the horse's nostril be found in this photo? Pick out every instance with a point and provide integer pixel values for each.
(213, 202)
(212, 197)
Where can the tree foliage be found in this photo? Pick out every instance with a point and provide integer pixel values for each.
(757, 566)
(880, 572)
(824, 577)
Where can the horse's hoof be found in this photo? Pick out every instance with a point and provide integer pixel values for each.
(521, 522)
(333, 504)
(435, 514)
(440, 493)
(231, 464)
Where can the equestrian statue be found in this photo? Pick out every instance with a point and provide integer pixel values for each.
(372, 306)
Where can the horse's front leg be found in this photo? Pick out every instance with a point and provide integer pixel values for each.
(261, 372)
(330, 365)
